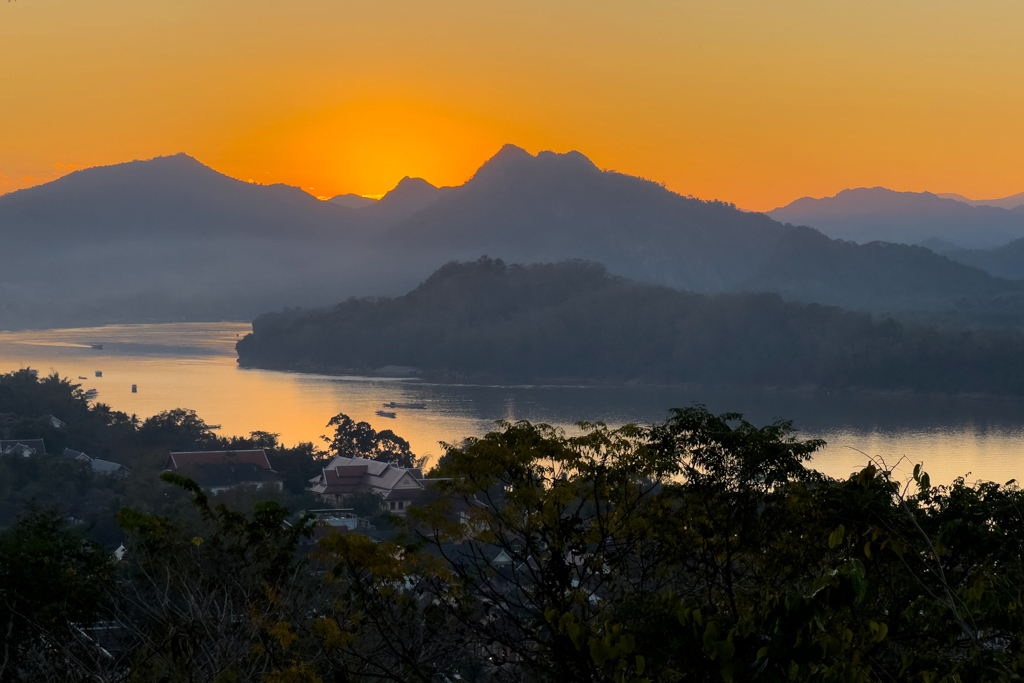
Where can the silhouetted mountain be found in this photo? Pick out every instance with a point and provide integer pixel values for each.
(878, 276)
(1006, 261)
(173, 196)
(877, 214)
(555, 206)
(410, 196)
(938, 246)
(353, 201)
(167, 239)
(1015, 201)
(571, 321)
(173, 239)
(558, 206)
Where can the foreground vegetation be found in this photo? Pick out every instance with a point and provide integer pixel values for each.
(91, 499)
(571, 321)
(699, 549)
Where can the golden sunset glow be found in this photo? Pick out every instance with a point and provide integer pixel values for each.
(752, 102)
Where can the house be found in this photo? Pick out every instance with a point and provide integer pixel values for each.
(53, 421)
(75, 455)
(98, 466)
(399, 487)
(218, 471)
(22, 447)
(109, 468)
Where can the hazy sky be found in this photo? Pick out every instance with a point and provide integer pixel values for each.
(752, 101)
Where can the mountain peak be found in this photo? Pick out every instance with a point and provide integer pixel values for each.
(409, 184)
(507, 158)
(406, 198)
(571, 159)
(509, 151)
(409, 189)
(180, 158)
(353, 201)
(511, 158)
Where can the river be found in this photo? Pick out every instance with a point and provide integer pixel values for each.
(192, 365)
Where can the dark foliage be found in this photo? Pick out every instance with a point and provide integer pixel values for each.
(698, 550)
(143, 446)
(572, 321)
(353, 439)
(53, 582)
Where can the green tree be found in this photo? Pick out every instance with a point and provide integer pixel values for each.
(216, 603)
(353, 439)
(53, 583)
(178, 430)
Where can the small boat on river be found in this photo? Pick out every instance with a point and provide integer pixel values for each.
(98, 347)
(387, 413)
(407, 406)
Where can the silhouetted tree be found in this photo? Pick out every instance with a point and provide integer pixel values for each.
(353, 439)
(177, 429)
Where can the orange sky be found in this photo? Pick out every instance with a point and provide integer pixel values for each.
(749, 101)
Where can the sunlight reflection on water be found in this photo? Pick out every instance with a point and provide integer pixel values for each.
(192, 365)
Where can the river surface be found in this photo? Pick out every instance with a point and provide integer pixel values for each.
(192, 365)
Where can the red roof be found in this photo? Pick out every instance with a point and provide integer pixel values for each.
(256, 457)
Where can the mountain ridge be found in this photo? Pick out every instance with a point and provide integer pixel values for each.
(871, 214)
(154, 238)
(167, 191)
(1014, 201)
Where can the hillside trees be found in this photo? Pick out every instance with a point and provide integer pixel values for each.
(143, 446)
(573, 322)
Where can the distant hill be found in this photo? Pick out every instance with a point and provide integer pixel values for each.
(572, 322)
(1015, 201)
(170, 239)
(1006, 261)
(353, 201)
(876, 214)
(410, 196)
(878, 276)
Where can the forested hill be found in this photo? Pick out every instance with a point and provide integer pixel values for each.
(572, 321)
